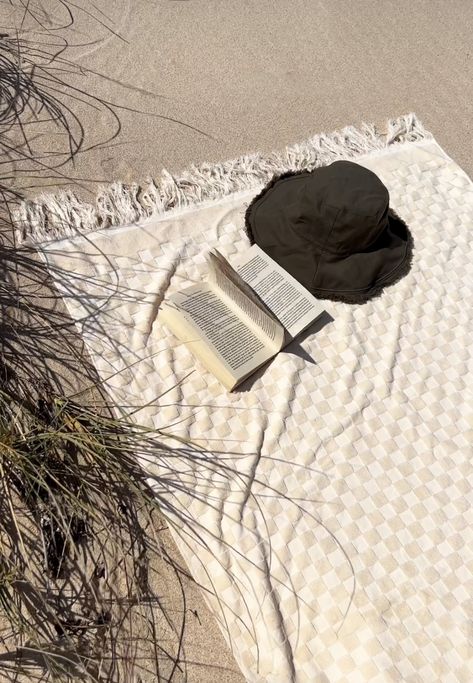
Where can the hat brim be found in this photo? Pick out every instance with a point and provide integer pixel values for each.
(386, 261)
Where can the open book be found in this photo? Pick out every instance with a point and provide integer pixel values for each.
(240, 317)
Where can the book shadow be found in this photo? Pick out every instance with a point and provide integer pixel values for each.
(294, 348)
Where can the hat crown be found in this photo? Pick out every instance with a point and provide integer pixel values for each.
(343, 207)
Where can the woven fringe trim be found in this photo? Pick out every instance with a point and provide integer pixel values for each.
(56, 216)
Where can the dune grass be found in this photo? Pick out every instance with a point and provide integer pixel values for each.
(76, 537)
(80, 527)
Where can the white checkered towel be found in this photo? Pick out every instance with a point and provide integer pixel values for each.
(329, 519)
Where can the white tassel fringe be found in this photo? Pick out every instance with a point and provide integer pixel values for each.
(56, 216)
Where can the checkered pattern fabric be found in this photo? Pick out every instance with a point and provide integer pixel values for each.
(327, 512)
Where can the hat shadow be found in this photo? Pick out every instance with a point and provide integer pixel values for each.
(293, 348)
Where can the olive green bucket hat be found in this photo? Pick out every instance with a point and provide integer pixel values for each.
(333, 230)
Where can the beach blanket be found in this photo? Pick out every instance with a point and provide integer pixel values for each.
(326, 507)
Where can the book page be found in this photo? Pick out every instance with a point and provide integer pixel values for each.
(231, 339)
(242, 299)
(286, 298)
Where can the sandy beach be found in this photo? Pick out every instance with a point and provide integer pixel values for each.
(173, 83)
